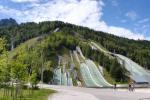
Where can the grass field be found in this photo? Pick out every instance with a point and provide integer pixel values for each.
(40, 94)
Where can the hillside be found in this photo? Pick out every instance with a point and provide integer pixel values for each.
(137, 50)
(46, 48)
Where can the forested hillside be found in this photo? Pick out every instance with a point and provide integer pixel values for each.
(137, 50)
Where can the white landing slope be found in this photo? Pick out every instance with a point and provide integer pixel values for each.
(138, 73)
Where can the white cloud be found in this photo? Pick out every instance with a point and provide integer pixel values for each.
(125, 33)
(20, 1)
(144, 21)
(114, 3)
(123, 21)
(80, 12)
(132, 15)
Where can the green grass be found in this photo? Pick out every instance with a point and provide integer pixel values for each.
(108, 77)
(107, 53)
(41, 94)
(103, 48)
(28, 43)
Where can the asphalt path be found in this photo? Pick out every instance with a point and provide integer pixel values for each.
(80, 93)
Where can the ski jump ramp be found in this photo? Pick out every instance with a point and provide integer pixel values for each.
(90, 72)
(137, 72)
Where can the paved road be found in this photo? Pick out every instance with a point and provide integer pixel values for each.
(79, 93)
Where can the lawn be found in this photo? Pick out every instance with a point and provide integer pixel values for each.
(40, 94)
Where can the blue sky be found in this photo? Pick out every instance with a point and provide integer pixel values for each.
(125, 18)
(130, 14)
